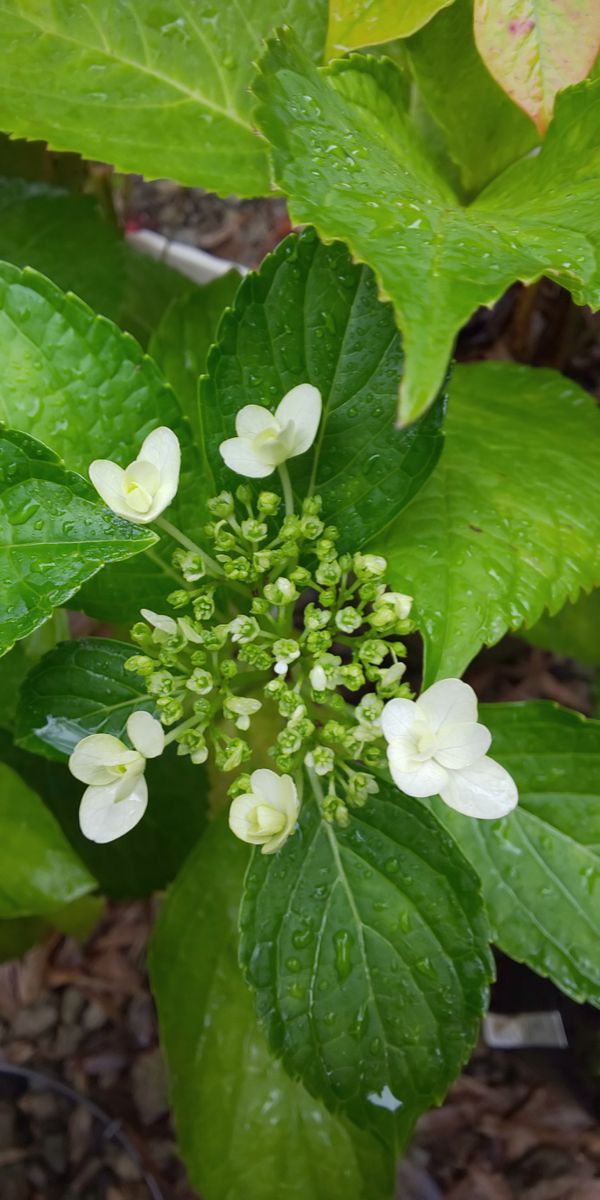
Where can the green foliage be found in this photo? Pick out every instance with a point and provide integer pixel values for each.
(17, 663)
(574, 631)
(39, 870)
(157, 89)
(310, 316)
(540, 866)
(301, 1151)
(149, 288)
(84, 686)
(366, 990)
(354, 23)
(491, 542)
(54, 534)
(484, 131)
(181, 342)
(348, 156)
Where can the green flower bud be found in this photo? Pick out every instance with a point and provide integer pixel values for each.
(369, 566)
(241, 786)
(369, 709)
(311, 527)
(268, 504)
(168, 657)
(348, 619)
(342, 816)
(352, 677)
(281, 592)
(262, 561)
(231, 754)
(200, 681)
(372, 650)
(244, 493)
(191, 566)
(161, 683)
(221, 505)
(318, 642)
(179, 598)
(316, 618)
(204, 606)
(243, 629)
(328, 573)
(328, 597)
(372, 755)
(300, 576)
(171, 710)
(322, 759)
(290, 529)
(289, 703)
(369, 591)
(228, 669)
(141, 634)
(256, 657)
(140, 664)
(215, 638)
(198, 658)
(254, 531)
(236, 568)
(202, 708)
(260, 606)
(224, 539)
(325, 550)
(312, 505)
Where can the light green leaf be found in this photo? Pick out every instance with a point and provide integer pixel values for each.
(484, 131)
(244, 1128)
(349, 157)
(159, 89)
(79, 688)
(355, 23)
(535, 48)
(508, 524)
(573, 632)
(540, 867)
(64, 237)
(39, 871)
(368, 952)
(184, 336)
(86, 389)
(342, 340)
(54, 534)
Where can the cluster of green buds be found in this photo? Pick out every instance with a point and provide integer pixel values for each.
(280, 620)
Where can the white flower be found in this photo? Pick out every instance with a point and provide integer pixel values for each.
(436, 746)
(265, 439)
(147, 485)
(159, 621)
(266, 816)
(117, 795)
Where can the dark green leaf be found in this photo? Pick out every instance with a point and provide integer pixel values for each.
(20, 660)
(39, 870)
(348, 155)
(574, 631)
(186, 333)
(54, 534)
(508, 524)
(79, 688)
(244, 1127)
(368, 951)
(149, 288)
(540, 867)
(311, 316)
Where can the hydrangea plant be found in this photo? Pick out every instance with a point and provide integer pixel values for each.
(272, 494)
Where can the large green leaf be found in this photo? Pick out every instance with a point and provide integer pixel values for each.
(79, 688)
(39, 870)
(17, 663)
(149, 287)
(368, 952)
(310, 316)
(181, 342)
(354, 23)
(508, 524)
(535, 48)
(86, 389)
(353, 164)
(540, 867)
(160, 89)
(484, 131)
(63, 236)
(574, 631)
(244, 1128)
(54, 534)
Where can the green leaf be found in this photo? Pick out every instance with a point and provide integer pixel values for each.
(484, 131)
(573, 632)
(39, 870)
(535, 48)
(85, 388)
(63, 236)
(158, 89)
(284, 1143)
(54, 534)
(78, 920)
(79, 688)
(349, 157)
(355, 23)
(149, 287)
(508, 524)
(181, 343)
(23, 656)
(368, 951)
(342, 340)
(540, 867)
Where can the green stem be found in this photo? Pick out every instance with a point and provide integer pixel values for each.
(170, 737)
(286, 484)
(185, 541)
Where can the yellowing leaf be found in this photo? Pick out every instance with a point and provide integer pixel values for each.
(354, 23)
(535, 48)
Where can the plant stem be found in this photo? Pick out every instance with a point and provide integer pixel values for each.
(286, 484)
(185, 541)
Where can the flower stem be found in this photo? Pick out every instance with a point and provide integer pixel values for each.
(183, 540)
(286, 484)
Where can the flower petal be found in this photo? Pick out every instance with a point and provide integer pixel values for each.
(277, 790)
(397, 718)
(458, 746)
(146, 734)
(253, 419)
(420, 779)
(484, 790)
(109, 481)
(96, 757)
(159, 621)
(239, 456)
(242, 820)
(161, 449)
(448, 700)
(302, 405)
(103, 818)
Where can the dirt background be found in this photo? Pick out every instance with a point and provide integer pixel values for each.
(83, 1096)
